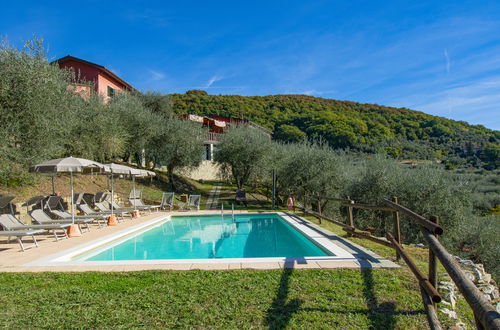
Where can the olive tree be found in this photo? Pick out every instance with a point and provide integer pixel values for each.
(241, 154)
(178, 144)
(427, 190)
(33, 106)
(312, 171)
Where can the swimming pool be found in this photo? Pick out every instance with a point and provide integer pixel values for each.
(210, 237)
(182, 242)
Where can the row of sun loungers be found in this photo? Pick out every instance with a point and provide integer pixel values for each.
(51, 217)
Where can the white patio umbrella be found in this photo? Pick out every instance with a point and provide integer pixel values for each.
(69, 165)
(130, 171)
(122, 170)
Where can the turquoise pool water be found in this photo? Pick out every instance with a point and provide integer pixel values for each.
(208, 237)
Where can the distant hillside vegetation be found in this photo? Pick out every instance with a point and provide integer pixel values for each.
(398, 132)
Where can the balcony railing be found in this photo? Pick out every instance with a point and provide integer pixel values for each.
(212, 137)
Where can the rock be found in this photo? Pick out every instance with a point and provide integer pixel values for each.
(487, 278)
(419, 245)
(478, 274)
(487, 297)
(488, 289)
(470, 276)
(459, 326)
(495, 294)
(466, 262)
(451, 314)
(498, 307)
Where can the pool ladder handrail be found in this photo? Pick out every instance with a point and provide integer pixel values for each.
(222, 211)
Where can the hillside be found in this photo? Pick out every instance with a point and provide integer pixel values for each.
(399, 132)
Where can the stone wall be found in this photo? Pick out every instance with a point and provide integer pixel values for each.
(207, 170)
(450, 293)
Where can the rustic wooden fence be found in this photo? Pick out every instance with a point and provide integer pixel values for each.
(486, 316)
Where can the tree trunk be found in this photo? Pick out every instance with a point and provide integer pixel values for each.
(170, 170)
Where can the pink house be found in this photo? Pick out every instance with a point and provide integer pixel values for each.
(106, 83)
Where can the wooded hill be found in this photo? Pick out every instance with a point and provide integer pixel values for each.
(398, 132)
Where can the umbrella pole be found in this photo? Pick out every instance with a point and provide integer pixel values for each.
(112, 192)
(112, 219)
(73, 230)
(53, 186)
(133, 189)
(71, 197)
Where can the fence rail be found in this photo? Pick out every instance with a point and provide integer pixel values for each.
(485, 314)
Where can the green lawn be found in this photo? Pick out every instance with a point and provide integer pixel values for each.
(380, 299)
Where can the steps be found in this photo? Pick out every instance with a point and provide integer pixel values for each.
(213, 198)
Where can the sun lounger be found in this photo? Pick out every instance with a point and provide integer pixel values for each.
(118, 212)
(54, 205)
(117, 206)
(167, 200)
(6, 203)
(241, 197)
(135, 199)
(193, 203)
(10, 222)
(19, 234)
(139, 204)
(87, 210)
(42, 218)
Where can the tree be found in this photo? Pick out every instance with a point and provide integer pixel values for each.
(158, 103)
(177, 145)
(311, 170)
(289, 133)
(241, 154)
(33, 107)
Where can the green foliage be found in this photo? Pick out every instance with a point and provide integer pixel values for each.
(363, 127)
(289, 133)
(177, 144)
(157, 103)
(310, 169)
(476, 238)
(427, 190)
(242, 154)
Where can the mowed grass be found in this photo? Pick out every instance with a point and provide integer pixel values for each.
(338, 298)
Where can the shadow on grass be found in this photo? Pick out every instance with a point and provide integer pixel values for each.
(381, 315)
(281, 311)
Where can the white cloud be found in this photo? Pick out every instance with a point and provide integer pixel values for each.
(156, 75)
(212, 80)
(447, 57)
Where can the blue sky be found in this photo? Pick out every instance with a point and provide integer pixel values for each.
(440, 57)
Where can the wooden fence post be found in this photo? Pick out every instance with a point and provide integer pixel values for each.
(433, 260)
(397, 227)
(304, 201)
(350, 218)
(319, 210)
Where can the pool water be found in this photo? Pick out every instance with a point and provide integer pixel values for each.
(208, 237)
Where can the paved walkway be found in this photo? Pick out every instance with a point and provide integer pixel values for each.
(11, 260)
(213, 198)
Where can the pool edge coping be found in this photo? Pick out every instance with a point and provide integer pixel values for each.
(342, 257)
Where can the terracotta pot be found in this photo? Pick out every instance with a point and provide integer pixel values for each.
(74, 231)
(112, 221)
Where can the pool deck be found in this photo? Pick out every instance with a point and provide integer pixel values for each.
(13, 260)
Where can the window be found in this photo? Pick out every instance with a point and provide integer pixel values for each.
(111, 91)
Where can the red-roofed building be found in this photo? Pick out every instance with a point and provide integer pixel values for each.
(106, 83)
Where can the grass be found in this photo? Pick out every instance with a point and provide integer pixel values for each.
(380, 299)
(337, 298)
